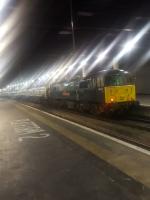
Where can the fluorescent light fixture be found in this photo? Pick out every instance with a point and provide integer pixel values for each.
(83, 62)
(3, 3)
(131, 44)
(85, 13)
(101, 56)
(65, 32)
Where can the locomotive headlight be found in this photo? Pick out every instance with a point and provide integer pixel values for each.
(112, 99)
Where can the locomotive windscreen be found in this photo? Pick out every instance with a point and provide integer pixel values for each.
(117, 79)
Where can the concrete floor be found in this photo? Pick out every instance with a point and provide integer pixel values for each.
(39, 163)
(144, 100)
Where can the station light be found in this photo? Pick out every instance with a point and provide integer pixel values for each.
(3, 3)
(101, 56)
(3, 45)
(83, 63)
(129, 46)
(131, 43)
(4, 30)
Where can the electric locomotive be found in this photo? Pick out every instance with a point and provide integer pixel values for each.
(107, 90)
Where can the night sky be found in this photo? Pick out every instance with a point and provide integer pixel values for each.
(41, 31)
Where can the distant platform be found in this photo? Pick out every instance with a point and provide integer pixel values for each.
(144, 100)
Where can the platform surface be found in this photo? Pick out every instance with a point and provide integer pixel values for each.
(39, 163)
(144, 100)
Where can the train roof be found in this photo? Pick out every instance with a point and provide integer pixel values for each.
(108, 71)
(102, 73)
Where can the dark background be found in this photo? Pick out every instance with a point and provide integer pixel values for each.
(44, 33)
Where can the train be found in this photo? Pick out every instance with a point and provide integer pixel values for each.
(106, 91)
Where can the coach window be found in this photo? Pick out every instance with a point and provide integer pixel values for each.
(83, 84)
(54, 88)
(99, 82)
(94, 83)
(71, 86)
(89, 84)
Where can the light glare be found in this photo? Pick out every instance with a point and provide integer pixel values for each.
(3, 3)
(101, 56)
(129, 46)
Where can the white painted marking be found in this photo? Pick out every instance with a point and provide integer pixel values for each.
(145, 105)
(144, 151)
(26, 129)
(44, 135)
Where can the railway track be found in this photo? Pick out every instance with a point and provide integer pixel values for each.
(138, 122)
(143, 119)
(134, 131)
(133, 141)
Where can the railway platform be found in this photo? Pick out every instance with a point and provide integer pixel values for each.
(43, 156)
(144, 100)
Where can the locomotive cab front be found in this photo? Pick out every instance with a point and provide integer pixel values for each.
(119, 88)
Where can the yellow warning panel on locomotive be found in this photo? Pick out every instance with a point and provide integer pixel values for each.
(116, 94)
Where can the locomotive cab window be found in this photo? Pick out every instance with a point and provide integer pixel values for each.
(117, 80)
